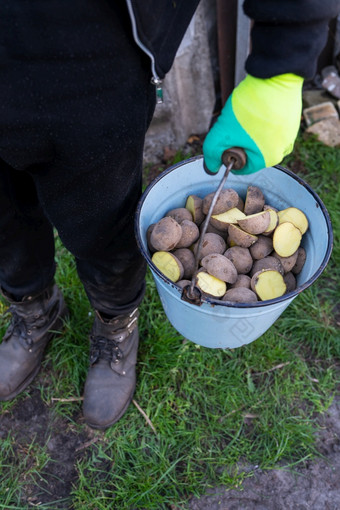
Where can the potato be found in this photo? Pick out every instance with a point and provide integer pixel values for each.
(262, 248)
(241, 258)
(295, 216)
(266, 263)
(300, 261)
(267, 207)
(273, 222)
(190, 234)
(180, 214)
(227, 199)
(187, 258)
(213, 230)
(194, 205)
(148, 236)
(223, 220)
(210, 285)
(219, 266)
(254, 200)
(268, 284)
(240, 237)
(165, 234)
(255, 223)
(290, 281)
(243, 280)
(240, 295)
(286, 239)
(212, 243)
(169, 265)
(287, 262)
(240, 204)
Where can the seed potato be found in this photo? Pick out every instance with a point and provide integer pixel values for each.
(240, 295)
(269, 262)
(241, 258)
(250, 245)
(262, 248)
(212, 243)
(219, 266)
(227, 199)
(180, 214)
(239, 237)
(190, 234)
(243, 280)
(254, 200)
(187, 258)
(165, 234)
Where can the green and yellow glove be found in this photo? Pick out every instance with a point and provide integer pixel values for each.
(262, 116)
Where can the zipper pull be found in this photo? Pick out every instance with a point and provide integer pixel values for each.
(157, 82)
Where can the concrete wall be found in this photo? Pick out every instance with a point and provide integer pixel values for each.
(189, 93)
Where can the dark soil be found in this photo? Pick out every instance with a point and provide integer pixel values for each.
(313, 486)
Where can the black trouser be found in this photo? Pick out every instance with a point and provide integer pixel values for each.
(75, 103)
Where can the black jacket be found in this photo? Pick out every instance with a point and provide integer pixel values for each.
(287, 35)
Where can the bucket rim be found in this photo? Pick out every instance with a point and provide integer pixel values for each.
(229, 304)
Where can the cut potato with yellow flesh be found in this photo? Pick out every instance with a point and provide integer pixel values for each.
(210, 284)
(255, 223)
(238, 237)
(268, 284)
(223, 220)
(194, 205)
(286, 239)
(169, 265)
(274, 220)
(295, 216)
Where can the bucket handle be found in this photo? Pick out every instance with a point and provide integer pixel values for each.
(234, 158)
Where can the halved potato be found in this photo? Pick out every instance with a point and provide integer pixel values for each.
(268, 284)
(286, 239)
(194, 205)
(295, 216)
(210, 285)
(169, 265)
(255, 223)
(273, 223)
(223, 220)
(238, 237)
(254, 200)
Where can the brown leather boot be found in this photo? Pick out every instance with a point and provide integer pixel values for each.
(34, 321)
(111, 379)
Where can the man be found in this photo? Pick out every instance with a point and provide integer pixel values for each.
(77, 88)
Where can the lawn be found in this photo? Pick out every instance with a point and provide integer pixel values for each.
(200, 417)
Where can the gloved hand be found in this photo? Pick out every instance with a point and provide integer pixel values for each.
(262, 116)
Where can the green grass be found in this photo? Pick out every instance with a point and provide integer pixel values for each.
(215, 414)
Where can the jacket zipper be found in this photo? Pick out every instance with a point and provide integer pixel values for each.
(155, 80)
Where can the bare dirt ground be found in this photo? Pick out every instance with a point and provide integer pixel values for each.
(314, 486)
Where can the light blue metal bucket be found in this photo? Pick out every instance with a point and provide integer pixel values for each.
(214, 323)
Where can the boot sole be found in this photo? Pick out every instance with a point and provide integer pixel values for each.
(117, 418)
(58, 324)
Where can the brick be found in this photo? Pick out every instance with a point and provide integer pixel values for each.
(327, 131)
(319, 112)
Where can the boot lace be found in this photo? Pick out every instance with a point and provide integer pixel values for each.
(23, 326)
(103, 348)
